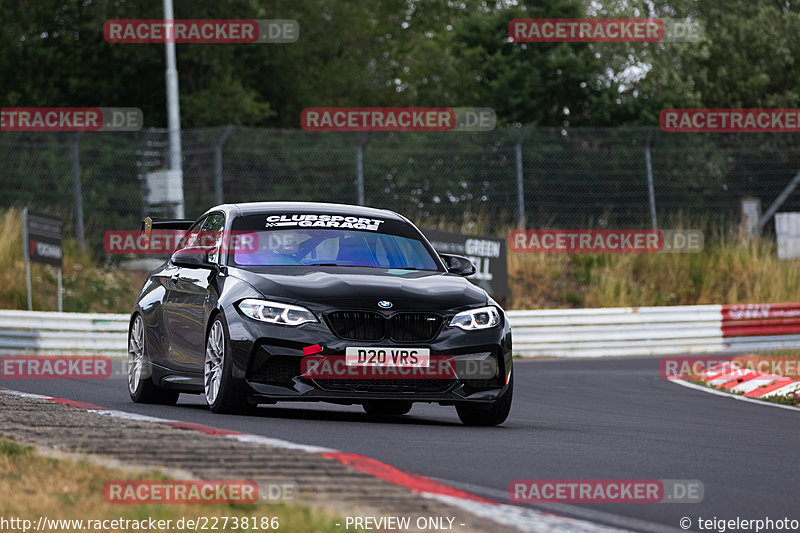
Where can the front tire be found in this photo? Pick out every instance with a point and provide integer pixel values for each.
(221, 393)
(140, 383)
(493, 415)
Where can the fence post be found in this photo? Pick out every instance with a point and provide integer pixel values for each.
(25, 253)
(77, 192)
(650, 188)
(520, 183)
(773, 208)
(360, 167)
(174, 119)
(218, 163)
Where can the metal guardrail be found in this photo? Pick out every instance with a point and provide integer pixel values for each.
(617, 331)
(555, 332)
(655, 330)
(46, 333)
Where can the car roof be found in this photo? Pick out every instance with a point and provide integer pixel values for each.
(255, 208)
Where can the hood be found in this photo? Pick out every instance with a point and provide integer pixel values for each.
(363, 288)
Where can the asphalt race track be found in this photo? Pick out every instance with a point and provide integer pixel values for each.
(571, 419)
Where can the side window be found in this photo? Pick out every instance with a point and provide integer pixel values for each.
(190, 237)
(214, 222)
(211, 230)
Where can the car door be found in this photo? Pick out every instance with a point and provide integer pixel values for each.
(188, 299)
(183, 309)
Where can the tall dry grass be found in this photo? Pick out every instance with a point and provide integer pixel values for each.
(731, 269)
(12, 265)
(88, 286)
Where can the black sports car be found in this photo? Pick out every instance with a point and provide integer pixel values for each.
(273, 301)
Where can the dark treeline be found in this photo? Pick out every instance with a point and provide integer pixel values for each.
(401, 53)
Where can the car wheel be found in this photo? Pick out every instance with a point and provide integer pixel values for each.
(220, 390)
(378, 408)
(140, 384)
(493, 415)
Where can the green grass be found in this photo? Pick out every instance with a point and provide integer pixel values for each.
(784, 399)
(33, 486)
(11, 448)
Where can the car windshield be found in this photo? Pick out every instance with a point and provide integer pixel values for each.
(331, 247)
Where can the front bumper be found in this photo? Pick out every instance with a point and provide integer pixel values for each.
(267, 361)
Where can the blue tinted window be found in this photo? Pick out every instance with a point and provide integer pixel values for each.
(333, 247)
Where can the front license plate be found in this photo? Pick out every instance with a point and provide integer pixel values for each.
(402, 357)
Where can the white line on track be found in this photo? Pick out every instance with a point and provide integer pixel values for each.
(729, 395)
(545, 509)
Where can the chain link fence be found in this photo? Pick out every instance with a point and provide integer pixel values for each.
(486, 182)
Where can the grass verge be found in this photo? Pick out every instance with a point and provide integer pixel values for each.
(32, 486)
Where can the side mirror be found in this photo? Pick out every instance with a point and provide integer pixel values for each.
(193, 257)
(457, 264)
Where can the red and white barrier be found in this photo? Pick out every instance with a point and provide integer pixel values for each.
(761, 326)
(655, 330)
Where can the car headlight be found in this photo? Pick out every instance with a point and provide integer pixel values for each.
(276, 312)
(481, 318)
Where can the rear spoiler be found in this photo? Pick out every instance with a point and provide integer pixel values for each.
(162, 224)
(149, 224)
